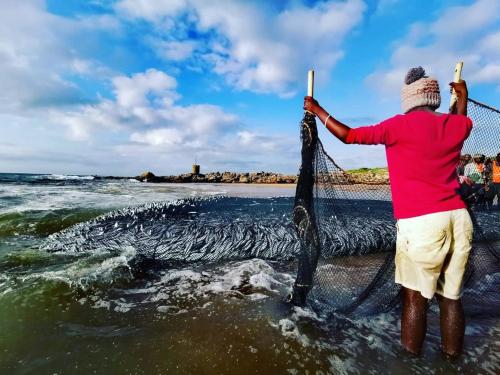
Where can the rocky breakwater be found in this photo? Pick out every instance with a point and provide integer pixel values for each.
(367, 176)
(224, 177)
(375, 176)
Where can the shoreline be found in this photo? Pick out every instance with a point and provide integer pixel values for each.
(347, 186)
(266, 190)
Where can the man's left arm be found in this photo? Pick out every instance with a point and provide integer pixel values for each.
(462, 96)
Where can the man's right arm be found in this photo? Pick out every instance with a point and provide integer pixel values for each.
(335, 127)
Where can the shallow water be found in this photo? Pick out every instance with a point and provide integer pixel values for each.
(105, 309)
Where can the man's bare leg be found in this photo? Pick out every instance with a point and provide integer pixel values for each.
(452, 325)
(413, 320)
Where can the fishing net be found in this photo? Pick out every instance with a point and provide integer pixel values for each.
(347, 230)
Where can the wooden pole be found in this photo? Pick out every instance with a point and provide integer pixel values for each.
(456, 78)
(310, 83)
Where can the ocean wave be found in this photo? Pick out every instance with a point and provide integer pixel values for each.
(42, 222)
(89, 271)
(111, 281)
(60, 177)
(43, 271)
(20, 178)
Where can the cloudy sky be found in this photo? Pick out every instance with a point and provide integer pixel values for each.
(119, 87)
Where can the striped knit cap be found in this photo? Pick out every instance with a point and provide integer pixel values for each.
(419, 90)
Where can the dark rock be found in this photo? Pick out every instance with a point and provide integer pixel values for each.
(147, 177)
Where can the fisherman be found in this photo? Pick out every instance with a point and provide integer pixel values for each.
(496, 177)
(465, 182)
(464, 160)
(489, 187)
(434, 229)
(475, 172)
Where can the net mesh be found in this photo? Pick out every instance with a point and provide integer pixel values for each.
(347, 231)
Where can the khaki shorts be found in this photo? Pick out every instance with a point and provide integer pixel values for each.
(432, 252)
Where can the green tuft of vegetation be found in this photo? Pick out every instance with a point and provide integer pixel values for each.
(368, 170)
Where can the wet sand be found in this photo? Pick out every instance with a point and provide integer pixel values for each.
(239, 189)
(274, 190)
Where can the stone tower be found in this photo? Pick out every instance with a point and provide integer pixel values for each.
(195, 169)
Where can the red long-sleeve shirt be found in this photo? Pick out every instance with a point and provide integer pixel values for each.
(423, 150)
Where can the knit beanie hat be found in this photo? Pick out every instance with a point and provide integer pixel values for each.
(419, 90)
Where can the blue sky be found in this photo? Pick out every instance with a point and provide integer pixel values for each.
(119, 87)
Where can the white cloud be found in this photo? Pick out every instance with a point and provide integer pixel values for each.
(84, 120)
(150, 10)
(174, 50)
(490, 45)
(100, 22)
(145, 104)
(36, 55)
(168, 150)
(488, 73)
(261, 142)
(462, 33)
(246, 137)
(459, 22)
(31, 51)
(255, 46)
(132, 92)
(158, 137)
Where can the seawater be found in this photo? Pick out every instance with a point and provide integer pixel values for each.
(70, 309)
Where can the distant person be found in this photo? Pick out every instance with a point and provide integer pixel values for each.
(488, 168)
(465, 182)
(489, 188)
(496, 178)
(434, 229)
(464, 160)
(475, 172)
